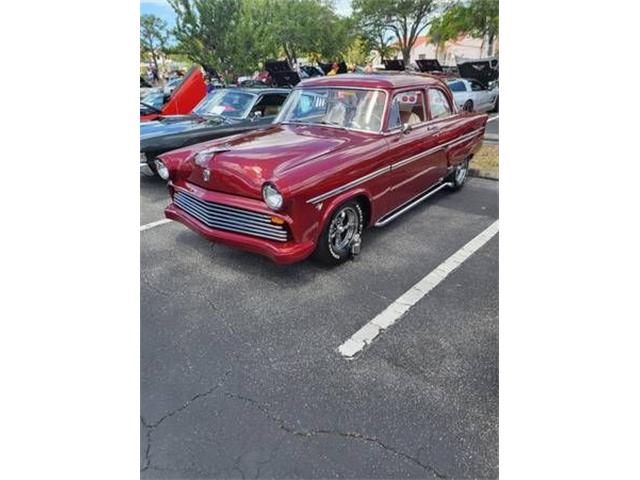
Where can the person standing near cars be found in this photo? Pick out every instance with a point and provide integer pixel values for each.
(334, 70)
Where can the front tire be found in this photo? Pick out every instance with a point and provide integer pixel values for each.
(334, 244)
(459, 175)
(468, 106)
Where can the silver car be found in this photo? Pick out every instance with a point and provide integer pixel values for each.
(472, 96)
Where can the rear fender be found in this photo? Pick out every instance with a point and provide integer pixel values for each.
(458, 152)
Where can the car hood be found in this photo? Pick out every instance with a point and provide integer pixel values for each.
(429, 65)
(171, 124)
(241, 164)
(484, 70)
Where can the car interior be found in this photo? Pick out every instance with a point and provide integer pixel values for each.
(407, 109)
(269, 105)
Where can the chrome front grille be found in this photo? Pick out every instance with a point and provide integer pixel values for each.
(233, 219)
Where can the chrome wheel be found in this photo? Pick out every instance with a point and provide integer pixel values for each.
(343, 228)
(461, 173)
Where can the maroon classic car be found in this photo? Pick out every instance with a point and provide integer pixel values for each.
(345, 152)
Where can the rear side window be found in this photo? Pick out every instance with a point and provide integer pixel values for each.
(457, 87)
(438, 104)
(407, 108)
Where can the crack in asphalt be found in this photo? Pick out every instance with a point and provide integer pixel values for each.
(310, 433)
(151, 426)
(166, 293)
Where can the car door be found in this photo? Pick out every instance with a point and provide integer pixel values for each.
(483, 97)
(414, 164)
(442, 124)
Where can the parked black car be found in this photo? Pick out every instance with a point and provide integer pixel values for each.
(223, 112)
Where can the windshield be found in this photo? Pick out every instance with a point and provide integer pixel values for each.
(342, 107)
(225, 103)
(154, 99)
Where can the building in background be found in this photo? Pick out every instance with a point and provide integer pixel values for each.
(464, 47)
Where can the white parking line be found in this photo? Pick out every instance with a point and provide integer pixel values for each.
(400, 306)
(491, 119)
(154, 224)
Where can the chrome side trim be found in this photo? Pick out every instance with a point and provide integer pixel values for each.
(349, 185)
(418, 156)
(410, 204)
(393, 166)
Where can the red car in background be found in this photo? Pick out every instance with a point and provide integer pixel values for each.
(181, 101)
(345, 152)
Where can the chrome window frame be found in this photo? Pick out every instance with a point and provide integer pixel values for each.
(424, 107)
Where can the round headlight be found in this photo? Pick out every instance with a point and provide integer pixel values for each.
(162, 169)
(272, 196)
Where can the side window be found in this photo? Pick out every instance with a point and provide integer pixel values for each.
(407, 107)
(269, 104)
(476, 87)
(438, 104)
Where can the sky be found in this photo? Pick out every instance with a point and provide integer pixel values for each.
(162, 9)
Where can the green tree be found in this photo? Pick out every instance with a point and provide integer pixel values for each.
(204, 29)
(306, 28)
(407, 19)
(374, 29)
(478, 18)
(153, 37)
(236, 35)
(358, 52)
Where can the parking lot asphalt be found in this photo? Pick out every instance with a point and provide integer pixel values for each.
(240, 374)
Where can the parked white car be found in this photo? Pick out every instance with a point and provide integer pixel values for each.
(472, 96)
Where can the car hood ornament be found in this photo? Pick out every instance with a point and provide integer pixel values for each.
(206, 155)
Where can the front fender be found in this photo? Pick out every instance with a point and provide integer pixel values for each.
(330, 205)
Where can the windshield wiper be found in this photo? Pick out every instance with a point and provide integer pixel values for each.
(210, 116)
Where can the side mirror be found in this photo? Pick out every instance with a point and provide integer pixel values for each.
(256, 115)
(406, 128)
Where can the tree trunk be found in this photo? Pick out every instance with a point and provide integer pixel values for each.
(406, 56)
(490, 46)
(286, 52)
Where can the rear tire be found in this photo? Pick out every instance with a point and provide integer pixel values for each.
(468, 106)
(459, 175)
(334, 244)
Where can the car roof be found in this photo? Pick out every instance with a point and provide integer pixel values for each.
(371, 80)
